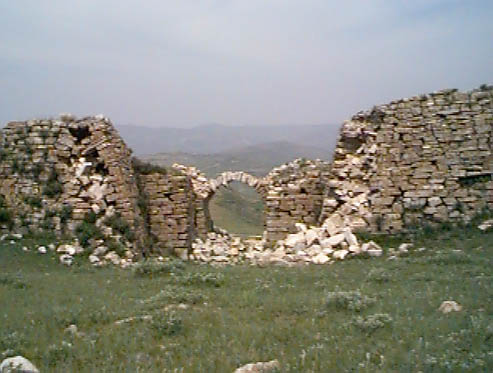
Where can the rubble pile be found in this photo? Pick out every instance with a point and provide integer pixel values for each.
(316, 245)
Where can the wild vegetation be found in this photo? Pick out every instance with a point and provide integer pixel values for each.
(363, 315)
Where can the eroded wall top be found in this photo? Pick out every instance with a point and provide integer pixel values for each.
(428, 156)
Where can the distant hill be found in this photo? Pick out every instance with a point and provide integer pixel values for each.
(255, 159)
(215, 138)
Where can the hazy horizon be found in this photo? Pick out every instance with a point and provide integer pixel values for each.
(235, 63)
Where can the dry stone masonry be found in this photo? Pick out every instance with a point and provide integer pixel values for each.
(292, 193)
(426, 158)
(58, 173)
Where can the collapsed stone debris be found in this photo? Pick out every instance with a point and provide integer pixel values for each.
(308, 245)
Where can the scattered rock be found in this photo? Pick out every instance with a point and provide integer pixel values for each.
(340, 254)
(17, 364)
(133, 318)
(42, 250)
(113, 257)
(320, 259)
(295, 239)
(100, 250)
(93, 259)
(259, 367)
(486, 225)
(71, 329)
(66, 259)
(450, 306)
(336, 240)
(404, 248)
(350, 237)
(70, 249)
(375, 252)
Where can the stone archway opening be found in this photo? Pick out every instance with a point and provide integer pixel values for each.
(237, 208)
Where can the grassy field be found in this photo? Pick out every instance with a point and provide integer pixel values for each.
(373, 315)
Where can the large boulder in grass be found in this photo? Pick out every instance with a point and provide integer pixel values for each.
(17, 364)
(486, 225)
(450, 306)
(270, 366)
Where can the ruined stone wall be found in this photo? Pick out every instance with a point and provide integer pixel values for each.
(295, 193)
(424, 158)
(54, 172)
(170, 210)
(292, 193)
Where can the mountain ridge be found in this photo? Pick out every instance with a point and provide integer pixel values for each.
(255, 159)
(217, 138)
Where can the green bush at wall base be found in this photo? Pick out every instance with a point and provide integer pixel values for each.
(85, 231)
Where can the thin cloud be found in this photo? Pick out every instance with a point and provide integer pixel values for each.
(235, 62)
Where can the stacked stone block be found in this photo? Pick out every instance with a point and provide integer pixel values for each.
(295, 193)
(427, 158)
(171, 205)
(67, 164)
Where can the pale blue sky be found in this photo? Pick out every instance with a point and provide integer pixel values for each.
(236, 62)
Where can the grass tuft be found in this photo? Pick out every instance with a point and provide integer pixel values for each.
(151, 268)
(369, 324)
(349, 301)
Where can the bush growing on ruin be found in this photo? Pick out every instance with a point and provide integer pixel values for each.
(36, 170)
(6, 217)
(53, 187)
(18, 166)
(115, 246)
(117, 223)
(3, 155)
(65, 214)
(146, 168)
(86, 231)
(33, 201)
(90, 217)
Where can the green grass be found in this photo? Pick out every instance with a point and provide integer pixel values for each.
(373, 315)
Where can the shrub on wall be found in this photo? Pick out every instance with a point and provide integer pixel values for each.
(53, 187)
(145, 168)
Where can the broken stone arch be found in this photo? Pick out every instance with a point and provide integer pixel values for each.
(227, 177)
